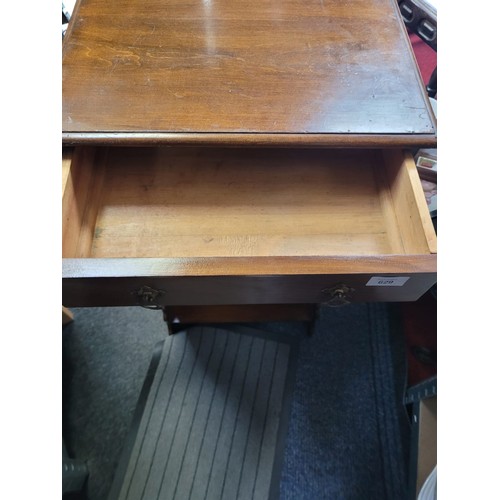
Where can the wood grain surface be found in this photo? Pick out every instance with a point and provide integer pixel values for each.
(271, 286)
(196, 202)
(339, 71)
(73, 268)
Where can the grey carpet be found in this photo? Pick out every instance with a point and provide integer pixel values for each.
(209, 428)
(347, 438)
(348, 434)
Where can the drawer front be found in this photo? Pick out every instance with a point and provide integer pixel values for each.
(226, 290)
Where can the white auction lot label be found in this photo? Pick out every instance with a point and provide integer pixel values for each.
(387, 280)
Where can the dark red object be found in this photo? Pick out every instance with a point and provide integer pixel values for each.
(419, 325)
(426, 57)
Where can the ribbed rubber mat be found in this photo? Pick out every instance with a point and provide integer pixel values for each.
(214, 421)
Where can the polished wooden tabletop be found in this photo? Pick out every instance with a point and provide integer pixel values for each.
(325, 72)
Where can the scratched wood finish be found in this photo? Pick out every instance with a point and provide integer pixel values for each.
(230, 70)
(185, 202)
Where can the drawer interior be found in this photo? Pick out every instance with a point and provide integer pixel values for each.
(208, 202)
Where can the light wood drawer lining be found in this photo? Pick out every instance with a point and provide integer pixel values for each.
(183, 202)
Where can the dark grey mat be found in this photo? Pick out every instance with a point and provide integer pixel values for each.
(347, 433)
(105, 353)
(213, 420)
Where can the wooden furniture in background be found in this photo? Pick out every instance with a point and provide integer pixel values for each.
(421, 402)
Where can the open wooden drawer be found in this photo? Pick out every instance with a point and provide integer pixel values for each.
(205, 226)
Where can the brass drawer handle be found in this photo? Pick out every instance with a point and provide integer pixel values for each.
(339, 295)
(147, 297)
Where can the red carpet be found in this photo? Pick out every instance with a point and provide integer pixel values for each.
(426, 57)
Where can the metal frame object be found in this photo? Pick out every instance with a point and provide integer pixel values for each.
(421, 18)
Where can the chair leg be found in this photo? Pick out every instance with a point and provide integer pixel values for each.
(74, 473)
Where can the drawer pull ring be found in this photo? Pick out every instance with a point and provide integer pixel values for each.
(339, 295)
(147, 297)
